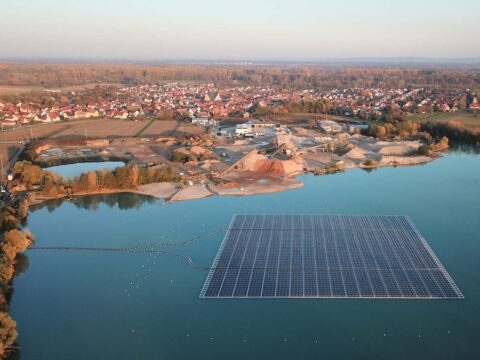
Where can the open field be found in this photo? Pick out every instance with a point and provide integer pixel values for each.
(11, 139)
(39, 131)
(95, 128)
(172, 128)
(8, 90)
(469, 121)
(101, 128)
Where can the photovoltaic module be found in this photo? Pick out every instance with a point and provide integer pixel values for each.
(326, 256)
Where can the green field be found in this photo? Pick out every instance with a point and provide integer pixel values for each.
(470, 121)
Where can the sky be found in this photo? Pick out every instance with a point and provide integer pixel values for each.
(306, 30)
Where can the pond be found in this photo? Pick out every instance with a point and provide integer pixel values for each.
(72, 170)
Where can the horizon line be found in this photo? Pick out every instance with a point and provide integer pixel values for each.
(376, 60)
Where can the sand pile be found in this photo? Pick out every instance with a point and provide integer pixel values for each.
(290, 167)
(401, 160)
(260, 163)
(270, 167)
(192, 192)
(404, 149)
(206, 166)
(227, 184)
(199, 150)
(355, 153)
(249, 160)
(289, 140)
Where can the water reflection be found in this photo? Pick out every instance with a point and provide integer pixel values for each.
(124, 201)
(21, 265)
(465, 148)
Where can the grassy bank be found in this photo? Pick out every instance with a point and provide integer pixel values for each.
(468, 120)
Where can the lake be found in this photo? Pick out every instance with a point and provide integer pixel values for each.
(72, 170)
(71, 305)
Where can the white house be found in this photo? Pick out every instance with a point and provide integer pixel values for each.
(243, 129)
(329, 126)
(204, 121)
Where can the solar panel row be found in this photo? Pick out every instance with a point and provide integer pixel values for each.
(326, 256)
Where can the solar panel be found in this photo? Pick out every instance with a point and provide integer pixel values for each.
(326, 256)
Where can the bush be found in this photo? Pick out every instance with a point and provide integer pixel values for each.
(423, 150)
(370, 163)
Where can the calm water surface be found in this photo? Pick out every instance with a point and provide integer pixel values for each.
(72, 170)
(119, 306)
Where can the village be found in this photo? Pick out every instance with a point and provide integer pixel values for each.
(208, 100)
(228, 141)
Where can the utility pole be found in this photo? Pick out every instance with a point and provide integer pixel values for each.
(1, 166)
(86, 136)
(31, 132)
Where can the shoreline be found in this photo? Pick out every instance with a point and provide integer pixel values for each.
(247, 183)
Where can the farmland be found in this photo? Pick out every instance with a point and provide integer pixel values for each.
(467, 120)
(13, 90)
(172, 128)
(11, 140)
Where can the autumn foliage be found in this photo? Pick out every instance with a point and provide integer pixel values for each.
(13, 242)
(305, 76)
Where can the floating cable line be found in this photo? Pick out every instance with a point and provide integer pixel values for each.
(139, 249)
(187, 259)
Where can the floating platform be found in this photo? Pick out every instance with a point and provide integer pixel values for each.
(326, 256)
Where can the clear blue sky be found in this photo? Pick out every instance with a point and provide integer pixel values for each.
(241, 29)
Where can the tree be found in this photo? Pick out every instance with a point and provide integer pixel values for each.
(8, 332)
(14, 242)
(423, 150)
(28, 173)
(22, 210)
(86, 182)
(109, 181)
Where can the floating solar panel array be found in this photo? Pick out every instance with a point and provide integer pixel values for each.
(326, 256)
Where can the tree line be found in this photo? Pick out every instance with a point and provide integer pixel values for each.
(410, 130)
(28, 176)
(13, 241)
(294, 76)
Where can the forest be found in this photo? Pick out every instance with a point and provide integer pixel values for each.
(291, 76)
